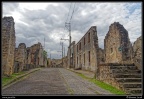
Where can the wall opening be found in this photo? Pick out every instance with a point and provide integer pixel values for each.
(111, 50)
(88, 37)
(89, 57)
(84, 40)
(77, 48)
(84, 59)
(80, 46)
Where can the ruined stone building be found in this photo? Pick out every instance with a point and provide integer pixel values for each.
(45, 59)
(8, 45)
(30, 57)
(65, 62)
(20, 57)
(101, 55)
(117, 45)
(137, 53)
(87, 51)
(71, 56)
(40, 57)
(49, 62)
(45, 62)
(119, 69)
(56, 62)
(35, 55)
(116, 64)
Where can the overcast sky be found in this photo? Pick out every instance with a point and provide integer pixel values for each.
(36, 21)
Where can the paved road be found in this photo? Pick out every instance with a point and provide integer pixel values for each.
(53, 81)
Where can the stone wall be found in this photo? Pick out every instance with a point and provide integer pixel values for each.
(65, 62)
(71, 56)
(8, 45)
(30, 57)
(40, 58)
(45, 62)
(106, 75)
(101, 55)
(137, 52)
(35, 57)
(117, 45)
(49, 62)
(21, 57)
(87, 50)
(56, 63)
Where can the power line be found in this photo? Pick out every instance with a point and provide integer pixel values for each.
(67, 16)
(72, 12)
(68, 13)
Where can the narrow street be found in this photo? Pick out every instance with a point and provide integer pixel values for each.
(54, 81)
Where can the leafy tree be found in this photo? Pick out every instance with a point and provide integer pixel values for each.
(45, 54)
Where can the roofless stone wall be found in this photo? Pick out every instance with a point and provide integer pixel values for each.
(117, 45)
(8, 45)
(137, 52)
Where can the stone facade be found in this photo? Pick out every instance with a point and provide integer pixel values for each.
(36, 55)
(56, 62)
(117, 45)
(137, 52)
(106, 75)
(30, 57)
(49, 62)
(40, 58)
(125, 77)
(45, 62)
(65, 62)
(101, 56)
(86, 56)
(71, 56)
(118, 68)
(8, 45)
(20, 57)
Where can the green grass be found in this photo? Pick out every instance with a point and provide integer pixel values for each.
(16, 76)
(104, 85)
(6, 80)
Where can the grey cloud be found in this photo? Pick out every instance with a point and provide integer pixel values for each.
(51, 21)
(9, 7)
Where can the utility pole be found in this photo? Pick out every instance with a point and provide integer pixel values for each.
(64, 51)
(43, 52)
(44, 42)
(61, 43)
(68, 26)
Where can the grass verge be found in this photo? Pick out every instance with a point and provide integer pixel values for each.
(15, 76)
(103, 85)
(6, 80)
